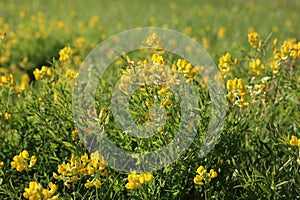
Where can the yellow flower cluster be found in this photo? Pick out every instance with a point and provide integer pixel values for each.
(73, 171)
(136, 180)
(71, 73)
(7, 80)
(65, 54)
(256, 67)
(204, 177)
(7, 116)
(80, 43)
(157, 59)
(237, 92)
(184, 67)
(44, 72)
(226, 63)
(294, 141)
(93, 21)
(154, 41)
(36, 191)
(20, 162)
(289, 50)
(254, 41)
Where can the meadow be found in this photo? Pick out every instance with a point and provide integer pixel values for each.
(44, 129)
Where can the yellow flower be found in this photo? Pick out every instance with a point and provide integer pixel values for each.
(253, 39)
(200, 169)
(70, 73)
(44, 72)
(294, 141)
(157, 59)
(256, 67)
(75, 170)
(148, 103)
(55, 175)
(148, 177)
(198, 180)
(1, 165)
(213, 174)
(65, 54)
(90, 170)
(84, 158)
(74, 133)
(162, 91)
(36, 191)
(221, 33)
(237, 92)
(102, 112)
(7, 81)
(204, 177)
(165, 103)
(32, 161)
(7, 116)
(136, 180)
(20, 162)
(88, 184)
(132, 185)
(226, 63)
(97, 183)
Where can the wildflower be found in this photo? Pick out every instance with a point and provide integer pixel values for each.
(37, 191)
(86, 167)
(154, 41)
(136, 180)
(157, 59)
(70, 73)
(32, 161)
(93, 21)
(221, 33)
(256, 66)
(165, 102)
(7, 116)
(148, 103)
(7, 81)
(254, 41)
(162, 91)
(24, 82)
(204, 177)
(275, 42)
(97, 183)
(294, 141)
(20, 162)
(1, 165)
(226, 63)
(65, 54)
(88, 184)
(237, 92)
(44, 72)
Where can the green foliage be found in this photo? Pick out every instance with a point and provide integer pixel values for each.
(254, 157)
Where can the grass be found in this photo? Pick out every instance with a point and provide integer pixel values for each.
(44, 153)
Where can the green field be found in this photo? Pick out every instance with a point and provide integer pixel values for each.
(44, 128)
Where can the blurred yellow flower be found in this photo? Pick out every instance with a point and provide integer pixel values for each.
(221, 33)
(65, 54)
